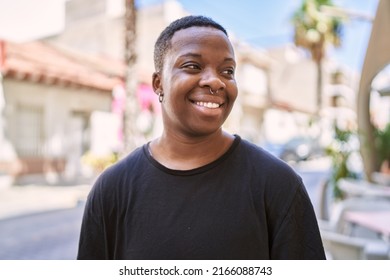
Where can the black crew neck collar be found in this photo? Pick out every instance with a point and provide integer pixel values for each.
(201, 169)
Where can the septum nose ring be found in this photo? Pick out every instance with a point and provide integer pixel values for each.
(212, 92)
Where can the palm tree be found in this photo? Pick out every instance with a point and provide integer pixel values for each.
(314, 31)
(130, 132)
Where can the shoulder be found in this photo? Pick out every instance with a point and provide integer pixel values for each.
(266, 163)
(277, 181)
(119, 172)
(125, 164)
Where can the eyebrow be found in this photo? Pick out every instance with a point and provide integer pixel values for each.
(190, 55)
(199, 56)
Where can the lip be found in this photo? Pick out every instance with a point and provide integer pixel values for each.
(208, 104)
(202, 100)
(208, 109)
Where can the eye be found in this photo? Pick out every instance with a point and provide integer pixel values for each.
(228, 71)
(191, 66)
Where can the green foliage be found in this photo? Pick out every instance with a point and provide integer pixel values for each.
(340, 151)
(382, 143)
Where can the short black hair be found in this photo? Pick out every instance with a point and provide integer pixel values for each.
(163, 42)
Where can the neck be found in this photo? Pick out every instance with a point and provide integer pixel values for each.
(185, 153)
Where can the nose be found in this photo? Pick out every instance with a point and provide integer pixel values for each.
(212, 80)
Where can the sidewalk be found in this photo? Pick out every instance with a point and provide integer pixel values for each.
(22, 200)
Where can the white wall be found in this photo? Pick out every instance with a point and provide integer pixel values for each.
(57, 103)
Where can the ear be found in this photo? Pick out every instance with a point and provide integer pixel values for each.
(156, 82)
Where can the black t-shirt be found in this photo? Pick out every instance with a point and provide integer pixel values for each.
(245, 205)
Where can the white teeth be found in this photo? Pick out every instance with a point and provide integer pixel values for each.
(210, 105)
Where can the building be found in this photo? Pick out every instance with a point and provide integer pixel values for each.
(50, 95)
(54, 103)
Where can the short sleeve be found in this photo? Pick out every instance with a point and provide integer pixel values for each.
(92, 243)
(298, 236)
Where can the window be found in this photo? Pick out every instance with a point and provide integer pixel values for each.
(29, 131)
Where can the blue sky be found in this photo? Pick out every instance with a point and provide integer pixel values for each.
(266, 23)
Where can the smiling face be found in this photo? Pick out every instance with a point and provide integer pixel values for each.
(200, 59)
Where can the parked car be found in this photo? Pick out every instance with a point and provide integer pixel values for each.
(300, 149)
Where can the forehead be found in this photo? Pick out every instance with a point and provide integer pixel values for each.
(197, 38)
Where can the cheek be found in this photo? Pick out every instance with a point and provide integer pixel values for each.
(172, 105)
(175, 92)
(233, 92)
(172, 82)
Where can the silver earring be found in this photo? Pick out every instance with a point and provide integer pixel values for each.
(160, 97)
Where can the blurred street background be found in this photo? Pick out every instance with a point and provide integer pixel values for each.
(76, 96)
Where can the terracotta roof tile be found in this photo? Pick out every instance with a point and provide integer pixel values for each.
(44, 63)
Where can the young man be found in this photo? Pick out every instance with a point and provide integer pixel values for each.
(198, 192)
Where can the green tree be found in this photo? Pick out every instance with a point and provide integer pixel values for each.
(314, 31)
